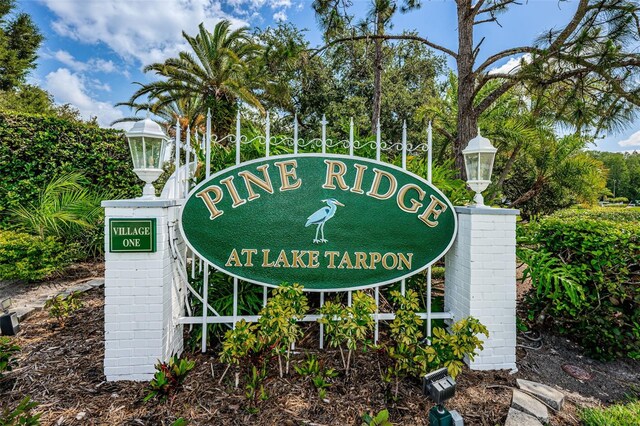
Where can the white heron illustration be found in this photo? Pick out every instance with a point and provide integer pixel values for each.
(321, 216)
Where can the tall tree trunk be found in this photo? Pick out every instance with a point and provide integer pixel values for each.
(377, 76)
(467, 119)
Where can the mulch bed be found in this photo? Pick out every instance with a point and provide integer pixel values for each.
(61, 369)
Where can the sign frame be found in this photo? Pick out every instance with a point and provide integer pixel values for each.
(153, 237)
(222, 269)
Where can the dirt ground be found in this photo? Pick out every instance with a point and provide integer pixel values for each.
(61, 369)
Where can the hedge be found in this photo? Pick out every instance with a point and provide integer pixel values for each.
(586, 276)
(615, 214)
(29, 258)
(34, 149)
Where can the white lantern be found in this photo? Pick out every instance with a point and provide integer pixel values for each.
(478, 160)
(147, 143)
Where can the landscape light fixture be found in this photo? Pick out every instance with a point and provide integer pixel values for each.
(478, 161)
(440, 386)
(147, 143)
(9, 325)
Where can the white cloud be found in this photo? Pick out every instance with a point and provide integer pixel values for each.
(633, 140)
(142, 30)
(68, 87)
(280, 16)
(512, 65)
(68, 59)
(92, 65)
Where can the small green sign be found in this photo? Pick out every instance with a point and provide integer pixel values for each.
(132, 235)
(328, 222)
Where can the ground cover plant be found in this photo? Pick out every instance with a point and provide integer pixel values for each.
(585, 276)
(8, 353)
(618, 414)
(62, 306)
(168, 378)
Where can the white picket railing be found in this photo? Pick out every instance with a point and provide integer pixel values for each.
(179, 184)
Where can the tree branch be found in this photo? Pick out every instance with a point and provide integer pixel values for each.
(491, 97)
(504, 54)
(388, 37)
(497, 6)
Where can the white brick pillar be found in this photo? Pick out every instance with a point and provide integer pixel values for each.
(142, 296)
(480, 281)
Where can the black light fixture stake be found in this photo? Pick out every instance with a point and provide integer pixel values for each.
(9, 325)
(439, 386)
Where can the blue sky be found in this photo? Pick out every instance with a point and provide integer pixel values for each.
(95, 49)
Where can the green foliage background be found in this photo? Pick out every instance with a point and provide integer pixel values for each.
(34, 149)
(586, 278)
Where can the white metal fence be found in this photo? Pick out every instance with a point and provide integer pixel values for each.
(190, 264)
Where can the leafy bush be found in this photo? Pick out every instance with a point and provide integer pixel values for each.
(619, 415)
(60, 306)
(168, 378)
(34, 149)
(585, 275)
(414, 357)
(380, 419)
(8, 352)
(317, 374)
(347, 327)
(615, 214)
(67, 210)
(29, 258)
(21, 415)
(278, 323)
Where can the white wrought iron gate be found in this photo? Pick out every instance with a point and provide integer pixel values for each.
(189, 264)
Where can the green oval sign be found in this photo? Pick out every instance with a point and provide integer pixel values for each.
(328, 222)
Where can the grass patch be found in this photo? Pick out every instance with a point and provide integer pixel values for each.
(620, 415)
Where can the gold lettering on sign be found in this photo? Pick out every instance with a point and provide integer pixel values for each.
(393, 257)
(248, 253)
(338, 175)
(432, 210)
(286, 174)
(375, 185)
(375, 258)
(361, 260)
(233, 257)
(332, 257)
(405, 260)
(237, 201)
(249, 178)
(211, 203)
(357, 185)
(265, 259)
(346, 260)
(415, 205)
(296, 260)
(313, 259)
(282, 260)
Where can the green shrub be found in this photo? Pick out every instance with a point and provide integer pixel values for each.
(168, 378)
(619, 415)
(21, 415)
(584, 272)
(616, 214)
(29, 258)
(348, 327)
(8, 352)
(60, 306)
(34, 149)
(68, 210)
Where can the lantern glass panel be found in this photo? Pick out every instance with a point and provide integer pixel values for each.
(137, 152)
(486, 165)
(153, 152)
(472, 165)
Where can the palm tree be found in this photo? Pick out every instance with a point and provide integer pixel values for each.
(215, 73)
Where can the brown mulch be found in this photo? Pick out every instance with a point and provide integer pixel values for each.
(61, 369)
